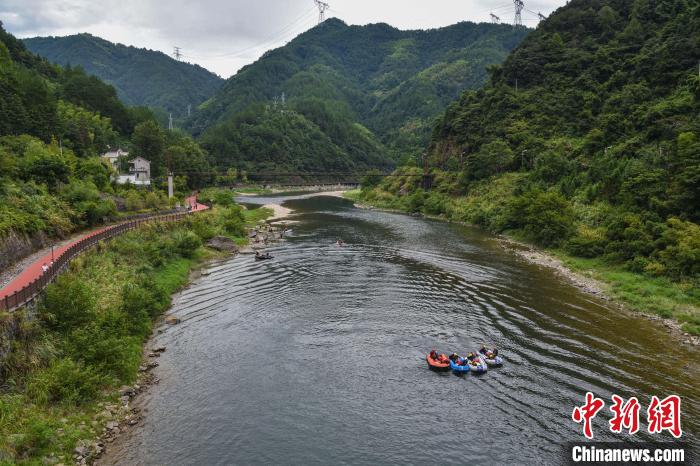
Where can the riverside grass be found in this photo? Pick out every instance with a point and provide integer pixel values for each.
(66, 365)
(641, 293)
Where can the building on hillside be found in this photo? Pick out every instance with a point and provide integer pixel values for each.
(113, 157)
(139, 172)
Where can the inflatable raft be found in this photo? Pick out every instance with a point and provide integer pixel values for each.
(478, 364)
(490, 358)
(438, 364)
(459, 366)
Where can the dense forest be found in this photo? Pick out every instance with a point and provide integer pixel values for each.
(372, 90)
(141, 77)
(587, 138)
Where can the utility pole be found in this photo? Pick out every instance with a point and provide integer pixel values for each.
(189, 110)
(495, 19)
(177, 53)
(170, 185)
(170, 122)
(519, 5)
(322, 7)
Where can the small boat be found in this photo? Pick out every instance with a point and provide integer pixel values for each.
(491, 358)
(478, 364)
(441, 363)
(263, 257)
(459, 366)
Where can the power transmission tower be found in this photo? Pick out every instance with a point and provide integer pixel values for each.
(170, 122)
(322, 7)
(519, 5)
(541, 16)
(177, 53)
(495, 19)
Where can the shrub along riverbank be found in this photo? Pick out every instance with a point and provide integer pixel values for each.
(585, 238)
(59, 368)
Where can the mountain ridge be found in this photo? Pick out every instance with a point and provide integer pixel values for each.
(392, 82)
(142, 76)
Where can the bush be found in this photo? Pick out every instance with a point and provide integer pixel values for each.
(138, 306)
(104, 346)
(435, 204)
(154, 201)
(232, 221)
(37, 437)
(134, 202)
(202, 226)
(69, 303)
(587, 242)
(546, 217)
(681, 248)
(415, 202)
(186, 243)
(65, 381)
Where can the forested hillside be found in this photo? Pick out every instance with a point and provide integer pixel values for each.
(586, 138)
(54, 123)
(369, 89)
(141, 77)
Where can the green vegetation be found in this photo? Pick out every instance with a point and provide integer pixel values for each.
(54, 124)
(596, 152)
(60, 369)
(356, 96)
(141, 77)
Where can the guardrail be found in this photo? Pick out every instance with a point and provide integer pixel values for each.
(30, 291)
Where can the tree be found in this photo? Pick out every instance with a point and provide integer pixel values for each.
(494, 157)
(148, 142)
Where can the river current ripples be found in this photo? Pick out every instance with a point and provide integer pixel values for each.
(317, 356)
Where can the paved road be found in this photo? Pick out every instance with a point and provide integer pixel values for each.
(35, 269)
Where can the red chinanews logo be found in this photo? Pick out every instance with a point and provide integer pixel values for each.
(662, 415)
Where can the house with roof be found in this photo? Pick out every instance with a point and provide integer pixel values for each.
(113, 157)
(139, 173)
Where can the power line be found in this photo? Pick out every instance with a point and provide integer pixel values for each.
(277, 36)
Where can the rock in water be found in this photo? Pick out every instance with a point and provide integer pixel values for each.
(172, 320)
(222, 243)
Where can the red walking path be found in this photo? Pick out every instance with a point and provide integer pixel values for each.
(35, 270)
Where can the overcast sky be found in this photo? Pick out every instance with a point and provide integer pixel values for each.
(224, 35)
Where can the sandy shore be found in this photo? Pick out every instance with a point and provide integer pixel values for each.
(280, 212)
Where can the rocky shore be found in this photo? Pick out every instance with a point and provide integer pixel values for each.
(591, 286)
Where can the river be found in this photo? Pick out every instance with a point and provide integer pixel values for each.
(318, 356)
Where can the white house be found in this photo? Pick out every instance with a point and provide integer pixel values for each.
(139, 172)
(141, 168)
(113, 157)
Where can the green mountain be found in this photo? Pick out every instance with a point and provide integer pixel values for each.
(371, 90)
(142, 77)
(586, 138)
